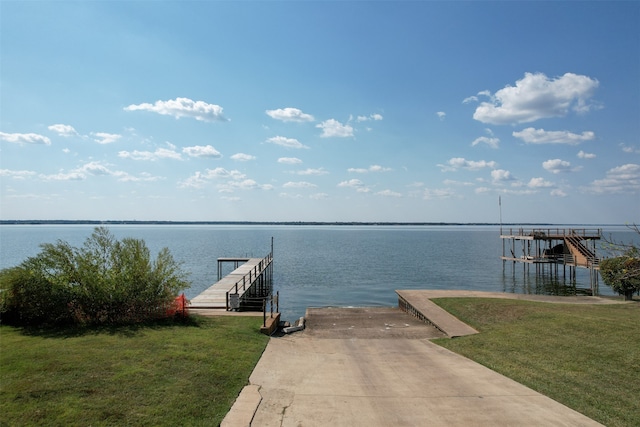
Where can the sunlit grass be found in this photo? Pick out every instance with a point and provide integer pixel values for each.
(161, 374)
(584, 356)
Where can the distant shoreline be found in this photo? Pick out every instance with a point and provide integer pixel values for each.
(301, 223)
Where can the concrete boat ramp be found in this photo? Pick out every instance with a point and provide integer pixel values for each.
(377, 367)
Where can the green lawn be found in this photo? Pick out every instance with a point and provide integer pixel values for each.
(584, 356)
(161, 374)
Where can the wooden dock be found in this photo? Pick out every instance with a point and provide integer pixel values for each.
(561, 246)
(570, 248)
(250, 279)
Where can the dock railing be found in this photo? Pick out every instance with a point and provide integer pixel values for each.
(273, 299)
(252, 275)
(541, 233)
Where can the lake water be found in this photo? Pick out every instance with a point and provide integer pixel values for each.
(317, 266)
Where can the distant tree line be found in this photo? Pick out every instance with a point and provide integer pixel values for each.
(347, 223)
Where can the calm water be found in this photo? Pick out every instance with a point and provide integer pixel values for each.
(318, 266)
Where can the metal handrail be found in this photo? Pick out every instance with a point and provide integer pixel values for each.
(579, 232)
(253, 274)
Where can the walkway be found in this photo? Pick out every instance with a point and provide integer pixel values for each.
(238, 282)
(377, 367)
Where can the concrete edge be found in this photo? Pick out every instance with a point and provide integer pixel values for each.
(244, 408)
(418, 304)
(210, 312)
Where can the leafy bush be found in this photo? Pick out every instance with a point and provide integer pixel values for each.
(622, 274)
(105, 281)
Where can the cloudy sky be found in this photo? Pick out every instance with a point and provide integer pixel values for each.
(320, 111)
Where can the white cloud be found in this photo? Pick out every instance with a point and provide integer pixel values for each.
(311, 171)
(491, 142)
(96, 168)
(556, 165)
(199, 179)
(289, 160)
(621, 179)
(372, 168)
(535, 97)
(462, 163)
(369, 117)
(501, 175)
(24, 138)
(583, 155)
(246, 184)
(144, 176)
(541, 136)
(286, 142)
(160, 153)
(474, 98)
(319, 196)
(333, 128)
(290, 196)
(242, 157)
(202, 151)
(289, 115)
(105, 138)
(63, 130)
(224, 173)
(355, 184)
(183, 107)
(630, 149)
(441, 115)
(64, 176)
(298, 184)
(18, 175)
(232, 186)
(558, 193)
(389, 193)
(539, 183)
(429, 194)
(457, 183)
(357, 170)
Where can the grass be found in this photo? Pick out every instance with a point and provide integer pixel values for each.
(586, 357)
(164, 373)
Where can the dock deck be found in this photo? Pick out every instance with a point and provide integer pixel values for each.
(240, 281)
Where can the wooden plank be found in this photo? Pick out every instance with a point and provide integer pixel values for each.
(216, 295)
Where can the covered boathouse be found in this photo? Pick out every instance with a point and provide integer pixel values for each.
(569, 248)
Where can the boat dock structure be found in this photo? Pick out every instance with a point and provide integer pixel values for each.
(569, 248)
(245, 288)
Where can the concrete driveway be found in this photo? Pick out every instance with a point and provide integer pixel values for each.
(377, 367)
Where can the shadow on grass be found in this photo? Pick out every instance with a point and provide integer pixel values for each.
(121, 329)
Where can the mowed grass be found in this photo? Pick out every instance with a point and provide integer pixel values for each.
(162, 374)
(584, 356)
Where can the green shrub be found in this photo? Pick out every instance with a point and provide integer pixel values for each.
(622, 274)
(105, 281)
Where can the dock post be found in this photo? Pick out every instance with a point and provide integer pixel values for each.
(264, 313)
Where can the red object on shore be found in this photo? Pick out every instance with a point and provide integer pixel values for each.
(179, 307)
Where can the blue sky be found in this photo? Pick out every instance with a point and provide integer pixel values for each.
(320, 111)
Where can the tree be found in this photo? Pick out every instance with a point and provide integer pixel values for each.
(104, 281)
(622, 272)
